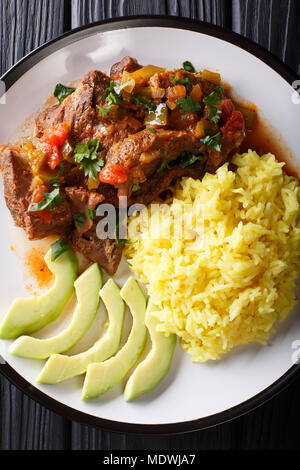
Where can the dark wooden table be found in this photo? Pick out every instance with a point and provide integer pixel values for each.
(24, 25)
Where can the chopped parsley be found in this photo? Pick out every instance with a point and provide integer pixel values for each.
(188, 66)
(86, 155)
(148, 104)
(164, 164)
(213, 141)
(61, 92)
(220, 89)
(58, 248)
(187, 160)
(211, 102)
(80, 219)
(183, 81)
(49, 202)
(135, 188)
(188, 104)
(111, 96)
(91, 214)
(54, 181)
(104, 110)
(153, 131)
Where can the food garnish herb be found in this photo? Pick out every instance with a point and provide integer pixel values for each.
(220, 89)
(91, 214)
(164, 164)
(135, 188)
(211, 101)
(104, 110)
(183, 81)
(188, 66)
(86, 156)
(61, 92)
(148, 104)
(111, 96)
(187, 160)
(49, 202)
(213, 141)
(188, 104)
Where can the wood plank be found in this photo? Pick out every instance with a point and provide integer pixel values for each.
(272, 24)
(26, 24)
(24, 424)
(213, 11)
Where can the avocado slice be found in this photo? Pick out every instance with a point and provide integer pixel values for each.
(59, 367)
(152, 370)
(30, 314)
(87, 288)
(103, 376)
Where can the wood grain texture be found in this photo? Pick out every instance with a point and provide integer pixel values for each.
(274, 24)
(25, 24)
(213, 11)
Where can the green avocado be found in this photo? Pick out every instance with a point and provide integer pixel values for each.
(103, 376)
(152, 370)
(28, 315)
(59, 367)
(87, 288)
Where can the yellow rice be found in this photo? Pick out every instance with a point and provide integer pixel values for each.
(229, 281)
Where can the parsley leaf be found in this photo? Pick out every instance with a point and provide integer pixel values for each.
(111, 96)
(183, 81)
(104, 110)
(164, 164)
(80, 219)
(135, 188)
(153, 131)
(213, 141)
(107, 91)
(58, 248)
(187, 160)
(211, 101)
(91, 214)
(220, 89)
(86, 156)
(49, 202)
(188, 66)
(61, 92)
(188, 104)
(148, 104)
(54, 181)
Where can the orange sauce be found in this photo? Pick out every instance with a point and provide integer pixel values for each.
(37, 267)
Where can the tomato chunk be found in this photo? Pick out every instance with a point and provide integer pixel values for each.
(56, 135)
(234, 124)
(51, 140)
(114, 174)
(38, 196)
(227, 108)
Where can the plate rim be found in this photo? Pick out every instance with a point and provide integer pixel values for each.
(16, 72)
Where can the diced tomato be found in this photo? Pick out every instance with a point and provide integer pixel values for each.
(52, 139)
(38, 196)
(114, 174)
(234, 124)
(227, 108)
(56, 135)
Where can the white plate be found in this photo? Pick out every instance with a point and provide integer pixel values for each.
(192, 396)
